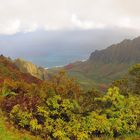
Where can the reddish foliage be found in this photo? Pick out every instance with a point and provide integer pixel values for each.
(68, 67)
(8, 70)
(25, 101)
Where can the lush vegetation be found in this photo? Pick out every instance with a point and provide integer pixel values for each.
(9, 132)
(58, 109)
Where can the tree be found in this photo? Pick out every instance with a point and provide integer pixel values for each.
(135, 76)
(120, 111)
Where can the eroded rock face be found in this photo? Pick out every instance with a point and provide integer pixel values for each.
(127, 51)
(29, 67)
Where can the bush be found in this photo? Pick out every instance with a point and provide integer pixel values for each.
(52, 110)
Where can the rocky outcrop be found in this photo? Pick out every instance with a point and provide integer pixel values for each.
(29, 67)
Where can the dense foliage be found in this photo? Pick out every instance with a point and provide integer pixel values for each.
(59, 110)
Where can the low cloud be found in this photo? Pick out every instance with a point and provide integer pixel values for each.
(11, 27)
(30, 15)
(85, 24)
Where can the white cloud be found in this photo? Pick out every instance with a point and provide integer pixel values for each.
(30, 28)
(49, 27)
(29, 15)
(125, 22)
(11, 27)
(15, 26)
(85, 24)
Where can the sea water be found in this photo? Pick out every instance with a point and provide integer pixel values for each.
(57, 59)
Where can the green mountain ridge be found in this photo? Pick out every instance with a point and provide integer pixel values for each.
(104, 66)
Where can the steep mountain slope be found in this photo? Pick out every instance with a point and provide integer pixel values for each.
(125, 52)
(103, 66)
(8, 70)
(29, 67)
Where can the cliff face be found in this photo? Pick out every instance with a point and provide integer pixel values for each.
(29, 67)
(109, 64)
(128, 51)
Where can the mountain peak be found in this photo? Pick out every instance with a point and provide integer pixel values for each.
(126, 51)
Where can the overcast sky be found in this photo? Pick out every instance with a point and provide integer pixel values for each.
(30, 15)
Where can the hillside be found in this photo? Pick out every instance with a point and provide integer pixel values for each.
(103, 66)
(8, 70)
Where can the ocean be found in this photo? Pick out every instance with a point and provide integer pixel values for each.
(57, 59)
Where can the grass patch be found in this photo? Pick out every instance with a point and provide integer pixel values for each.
(8, 132)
